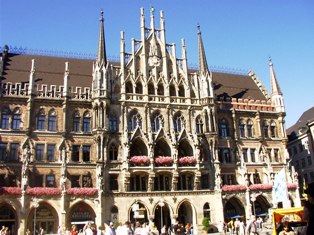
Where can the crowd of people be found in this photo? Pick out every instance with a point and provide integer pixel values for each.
(238, 227)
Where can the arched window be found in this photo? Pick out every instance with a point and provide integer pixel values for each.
(5, 118)
(185, 182)
(134, 121)
(273, 133)
(172, 90)
(157, 121)
(151, 89)
(52, 120)
(199, 125)
(129, 87)
(206, 211)
(178, 122)
(162, 183)
(113, 152)
(266, 129)
(113, 123)
(76, 122)
(139, 88)
(86, 122)
(242, 128)
(160, 89)
(249, 128)
(16, 119)
(41, 119)
(224, 128)
(181, 91)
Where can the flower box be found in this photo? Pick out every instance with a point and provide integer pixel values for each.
(82, 191)
(261, 187)
(231, 188)
(139, 160)
(164, 160)
(187, 160)
(39, 191)
(10, 190)
(292, 185)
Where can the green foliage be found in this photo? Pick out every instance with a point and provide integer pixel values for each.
(206, 223)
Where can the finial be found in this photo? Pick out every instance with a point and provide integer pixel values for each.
(198, 28)
(152, 11)
(270, 61)
(101, 14)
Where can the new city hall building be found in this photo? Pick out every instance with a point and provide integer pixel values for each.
(144, 138)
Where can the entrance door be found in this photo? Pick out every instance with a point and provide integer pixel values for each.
(8, 219)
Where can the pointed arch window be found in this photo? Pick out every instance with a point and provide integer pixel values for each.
(16, 119)
(52, 120)
(5, 118)
(181, 91)
(151, 89)
(41, 119)
(157, 122)
(113, 152)
(86, 122)
(273, 133)
(160, 89)
(172, 90)
(266, 129)
(199, 125)
(224, 128)
(178, 122)
(249, 128)
(139, 88)
(242, 128)
(129, 87)
(113, 123)
(76, 122)
(134, 121)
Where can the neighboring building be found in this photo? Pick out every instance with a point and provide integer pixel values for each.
(301, 147)
(146, 138)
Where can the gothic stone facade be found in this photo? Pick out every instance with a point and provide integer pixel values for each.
(145, 138)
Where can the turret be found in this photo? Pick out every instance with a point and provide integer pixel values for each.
(276, 94)
(32, 78)
(66, 80)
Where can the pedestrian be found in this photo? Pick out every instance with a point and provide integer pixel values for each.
(163, 230)
(241, 228)
(220, 227)
(138, 228)
(231, 226)
(251, 228)
(309, 209)
(74, 230)
(237, 226)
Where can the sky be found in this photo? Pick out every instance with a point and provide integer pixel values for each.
(238, 35)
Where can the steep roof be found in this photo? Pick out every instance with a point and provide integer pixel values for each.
(307, 116)
(50, 71)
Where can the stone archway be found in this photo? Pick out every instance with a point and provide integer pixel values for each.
(80, 214)
(185, 213)
(138, 212)
(261, 206)
(8, 218)
(162, 215)
(234, 208)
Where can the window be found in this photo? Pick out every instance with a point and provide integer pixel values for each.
(41, 118)
(5, 118)
(244, 154)
(161, 183)
(224, 129)
(139, 88)
(16, 120)
(226, 155)
(76, 122)
(256, 178)
(252, 153)
(249, 128)
(87, 181)
(113, 123)
(181, 91)
(113, 152)
(75, 181)
(38, 181)
(135, 120)
(303, 162)
(157, 122)
(199, 125)
(230, 179)
(309, 160)
(265, 129)
(178, 122)
(151, 89)
(273, 133)
(39, 152)
(160, 89)
(14, 152)
(86, 153)
(75, 153)
(113, 182)
(3, 151)
(50, 181)
(185, 182)
(205, 181)
(276, 155)
(50, 152)
(242, 129)
(172, 90)
(138, 183)
(86, 122)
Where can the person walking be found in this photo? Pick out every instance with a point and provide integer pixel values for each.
(251, 227)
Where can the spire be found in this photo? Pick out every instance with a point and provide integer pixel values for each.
(201, 53)
(275, 89)
(101, 55)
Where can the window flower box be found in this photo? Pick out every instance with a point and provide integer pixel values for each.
(10, 190)
(261, 187)
(231, 188)
(139, 160)
(40, 191)
(164, 160)
(82, 191)
(292, 185)
(187, 161)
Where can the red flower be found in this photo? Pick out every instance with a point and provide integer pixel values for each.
(261, 187)
(10, 190)
(230, 188)
(82, 191)
(187, 160)
(38, 191)
(292, 185)
(138, 160)
(164, 160)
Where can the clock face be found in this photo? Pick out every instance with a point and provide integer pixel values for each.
(154, 61)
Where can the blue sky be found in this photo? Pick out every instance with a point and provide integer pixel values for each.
(238, 34)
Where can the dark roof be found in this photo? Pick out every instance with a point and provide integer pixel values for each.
(50, 70)
(307, 116)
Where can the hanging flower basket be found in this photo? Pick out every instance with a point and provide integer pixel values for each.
(261, 187)
(139, 160)
(82, 191)
(39, 191)
(187, 161)
(10, 190)
(164, 160)
(231, 188)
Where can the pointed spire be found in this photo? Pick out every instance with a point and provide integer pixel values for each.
(201, 53)
(275, 89)
(101, 55)
(152, 18)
